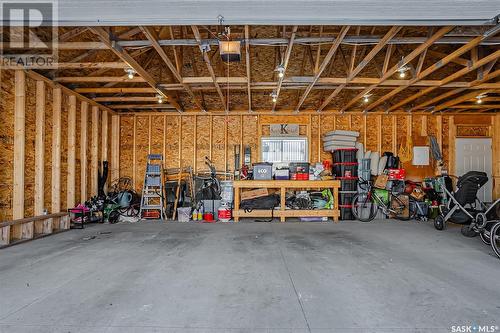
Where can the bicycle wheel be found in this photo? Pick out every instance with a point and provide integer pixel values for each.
(495, 239)
(363, 207)
(400, 206)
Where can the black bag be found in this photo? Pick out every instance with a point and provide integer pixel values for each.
(268, 202)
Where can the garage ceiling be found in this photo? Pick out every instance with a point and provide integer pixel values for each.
(328, 12)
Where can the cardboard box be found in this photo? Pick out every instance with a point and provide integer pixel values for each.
(381, 181)
(252, 194)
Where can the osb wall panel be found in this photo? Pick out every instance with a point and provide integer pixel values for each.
(203, 142)
(141, 149)
(372, 131)
(218, 144)
(387, 142)
(244, 128)
(29, 163)
(327, 125)
(126, 146)
(187, 140)
(157, 134)
(64, 149)
(48, 147)
(250, 137)
(6, 143)
(233, 140)
(172, 158)
(78, 167)
(315, 138)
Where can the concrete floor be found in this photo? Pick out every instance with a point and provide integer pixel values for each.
(384, 276)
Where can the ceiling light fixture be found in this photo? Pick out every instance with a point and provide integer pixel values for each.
(281, 71)
(402, 71)
(160, 98)
(130, 72)
(274, 96)
(366, 98)
(479, 98)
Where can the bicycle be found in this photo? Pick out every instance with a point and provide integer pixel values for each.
(365, 205)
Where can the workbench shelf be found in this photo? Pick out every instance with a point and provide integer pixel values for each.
(283, 185)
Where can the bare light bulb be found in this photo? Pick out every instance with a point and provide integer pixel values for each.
(479, 100)
(130, 76)
(402, 74)
(365, 99)
(281, 74)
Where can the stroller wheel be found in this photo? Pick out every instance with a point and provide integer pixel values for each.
(467, 231)
(495, 239)
(485, 237)
(439, 223)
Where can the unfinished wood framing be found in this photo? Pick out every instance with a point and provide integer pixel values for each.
(71, 177)
(115, 148)
(56, 150)
(40, 149)
(94, 156)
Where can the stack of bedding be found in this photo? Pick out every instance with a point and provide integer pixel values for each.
(341, 139)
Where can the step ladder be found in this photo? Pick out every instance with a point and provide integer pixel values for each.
(152, 201)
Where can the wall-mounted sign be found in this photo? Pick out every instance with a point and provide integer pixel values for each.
(284, 130)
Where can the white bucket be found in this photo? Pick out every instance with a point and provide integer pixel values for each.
(227, 192)
(183, 214)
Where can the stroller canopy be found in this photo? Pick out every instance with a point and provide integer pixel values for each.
(468, 186)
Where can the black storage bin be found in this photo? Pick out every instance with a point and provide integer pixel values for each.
(348, 183)
(346, 212)
(345, 198)
(397, 186)
(345, 155)
(339, 169)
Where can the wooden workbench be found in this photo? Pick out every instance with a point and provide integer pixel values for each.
(283, 185)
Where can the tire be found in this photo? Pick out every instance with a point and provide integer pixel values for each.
(406, 214)
(363, 208)
(468, 232)
(495, 239)
(485, 237)
(439, 223)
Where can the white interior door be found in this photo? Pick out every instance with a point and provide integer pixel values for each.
(475, 155)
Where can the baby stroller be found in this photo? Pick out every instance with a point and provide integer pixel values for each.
(462, 206)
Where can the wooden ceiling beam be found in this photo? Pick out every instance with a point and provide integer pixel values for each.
(147, 90)
(126, 99)
(476, 106)
(459, 100)
(153, 38)
(451, 78)
(473, 85)
(105, 37)
(458, 60)
(71, 65)
(71, 34)
(387, 37)
(429, 70)
(79, 79)
(415, 53)
(324, 64)
(248, 67)
(210, 68)
(286, 59)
